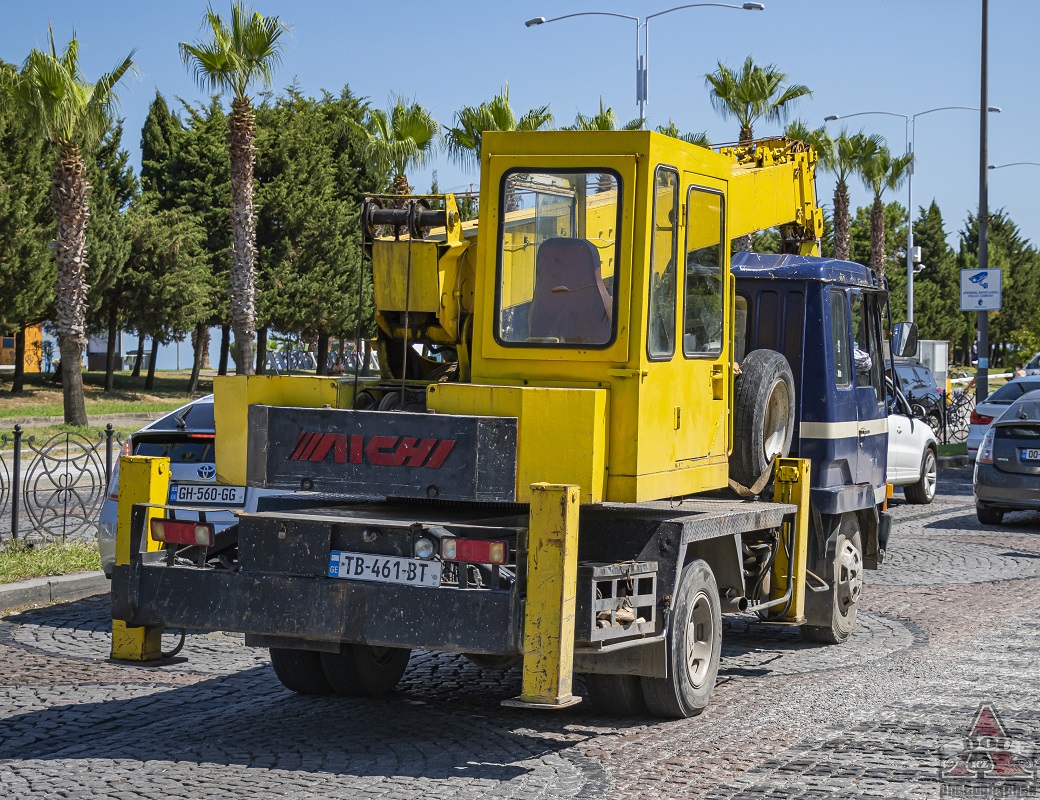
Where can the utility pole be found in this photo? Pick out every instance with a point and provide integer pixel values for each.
(982, 376)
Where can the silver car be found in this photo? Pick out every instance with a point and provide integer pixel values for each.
(912, 450)
(187, 437)
(1007, 469)
(993, 406)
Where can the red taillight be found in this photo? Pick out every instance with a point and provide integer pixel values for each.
(979, 419)
(207, 436)
(171, 531)
(474, 551)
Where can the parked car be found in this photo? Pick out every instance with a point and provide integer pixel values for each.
(1033, 366)
(918, 386)
(995, 405)
(912, 451)
(187, 437)
(1007, 470)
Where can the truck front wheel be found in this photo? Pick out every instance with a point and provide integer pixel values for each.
(845, 575)
(361, 670)
(694, 647)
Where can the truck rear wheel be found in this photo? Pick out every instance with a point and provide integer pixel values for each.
(845, 575)
(615, 695)
(694, 646)
(763, 414)
(361, 670)
(300, 671)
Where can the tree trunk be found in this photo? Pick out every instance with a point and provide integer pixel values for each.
(110, 350)
(323, 354)
(366, 351)
(877, 236)
(71, 211)
(201, 342)
(261, 350)
(136, 372)
(243, 231)
(225, 348)
(205, 347)
(19, 361)
(841, 221)
(149, 382)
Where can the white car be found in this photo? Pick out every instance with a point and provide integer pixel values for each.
(995, 405)
(912, 452)
(187, 437)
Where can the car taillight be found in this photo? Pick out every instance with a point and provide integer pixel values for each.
(206, 436)
(171, 531)
(474, 551)
(979, 419)
(985, 455)
(113, 485)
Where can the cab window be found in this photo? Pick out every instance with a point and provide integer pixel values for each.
(557, 255)
(660, 335)
(840, 340)
(702, 325)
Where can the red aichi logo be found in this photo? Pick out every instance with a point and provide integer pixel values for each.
(380, 451)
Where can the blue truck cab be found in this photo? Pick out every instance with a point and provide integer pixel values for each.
(825, 316)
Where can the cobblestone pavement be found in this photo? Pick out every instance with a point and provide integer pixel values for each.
(949, 625)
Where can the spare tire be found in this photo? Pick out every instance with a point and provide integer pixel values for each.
(763, 414)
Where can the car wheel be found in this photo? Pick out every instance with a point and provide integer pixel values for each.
(694, 647)
(923, 491)
(989, 516)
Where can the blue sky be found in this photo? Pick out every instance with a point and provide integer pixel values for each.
(903, 56)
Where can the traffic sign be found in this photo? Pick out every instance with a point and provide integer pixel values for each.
(980, 289)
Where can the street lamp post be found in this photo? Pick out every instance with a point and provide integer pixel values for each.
(642, 55)
(910, 131)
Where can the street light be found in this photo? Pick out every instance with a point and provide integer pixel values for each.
(642, 56)
(910, 131)
(1016, 164)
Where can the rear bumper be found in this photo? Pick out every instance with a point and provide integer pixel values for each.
(317, 609)
(1006, 490)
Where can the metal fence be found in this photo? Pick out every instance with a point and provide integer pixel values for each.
(53, 490)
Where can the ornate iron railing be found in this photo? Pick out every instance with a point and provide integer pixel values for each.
(53, 490)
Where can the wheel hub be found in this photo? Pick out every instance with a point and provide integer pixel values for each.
(700, 631)
(849, 583)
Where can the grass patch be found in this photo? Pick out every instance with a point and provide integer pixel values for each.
(20, 561)
(957, 449)
(43, 433)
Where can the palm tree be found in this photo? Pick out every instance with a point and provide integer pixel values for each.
(73, 115)
(700, 139)
(605, 120)
(752, 94)
(844, 160)
(240, 52)
(400, 139)
(881, 172)
(465, 139)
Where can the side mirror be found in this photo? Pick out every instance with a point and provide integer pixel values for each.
(904, 339)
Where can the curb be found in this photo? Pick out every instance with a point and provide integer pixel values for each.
(58, 589)
(953, 461)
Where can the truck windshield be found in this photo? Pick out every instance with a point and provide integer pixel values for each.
(557, 257)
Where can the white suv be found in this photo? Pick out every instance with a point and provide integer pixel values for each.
(912, 451)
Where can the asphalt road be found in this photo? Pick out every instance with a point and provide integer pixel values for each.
(948, 646)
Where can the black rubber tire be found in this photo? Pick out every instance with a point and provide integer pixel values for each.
(696, 610)
(763, 414)
(845, 574)
(364, 671)
(485, 661)
(615, 695)
(300, 671)
(989, 516)
(923, 492)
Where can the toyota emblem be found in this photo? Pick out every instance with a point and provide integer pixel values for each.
(207, 472)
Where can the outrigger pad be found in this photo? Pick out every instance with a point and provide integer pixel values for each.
(386, 453)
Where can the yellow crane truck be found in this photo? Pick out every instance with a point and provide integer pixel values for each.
(559, 463)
